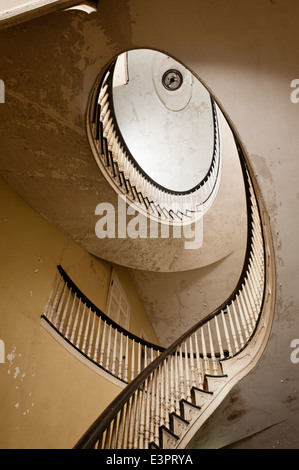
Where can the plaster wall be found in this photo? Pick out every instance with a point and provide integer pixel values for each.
(44, 122)
(48, 397)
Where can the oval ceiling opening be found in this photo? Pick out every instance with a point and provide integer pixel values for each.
(165, 116)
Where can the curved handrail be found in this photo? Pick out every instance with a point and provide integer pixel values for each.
(93, 334)
(122, 171)
(243, 307)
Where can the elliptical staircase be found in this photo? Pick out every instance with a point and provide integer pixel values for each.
(168, 393)
(170, 399)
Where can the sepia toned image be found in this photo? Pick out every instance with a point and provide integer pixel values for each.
(149, 211)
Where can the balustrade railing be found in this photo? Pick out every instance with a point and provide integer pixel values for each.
(128, 178)
(93, 334)
(137, 415)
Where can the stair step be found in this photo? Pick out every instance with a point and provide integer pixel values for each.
(178, 425)
(215, 382)
(168, 440)
(153, 445)
(189, 411)
(201, 397)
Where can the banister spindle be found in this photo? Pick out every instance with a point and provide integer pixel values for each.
(60, 305)
(181, 372)
(102, 348)
(81, 327)
(47, 310)
(232, 327)
(204, 352)
(238, 325)
(187, 374)
(120, 360)
(61, 325)
(126, 365)
(91, 339)
(108, 348)
(114, 352)
(53, 306)
(86, 333)
(213, 358)
(198, 362)
(75, 322)
(133, 361)
(70, 318)
(192, 365)
(172, 385)
(97, 342)
(227, 338)
(219, 339)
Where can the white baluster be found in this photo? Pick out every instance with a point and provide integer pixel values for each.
(126, 367)
(166, 391)
(81, 327)
(139, 359)
(247, 309)
(86, 331)
(198, 363)
(108, 349)
(172, 385)
(75, 322)
(121, 428)
(234, 336)
(204, 352)
(103, 345)
(97, 343)
(65, 311)
(120, 361)
(147, 413)
(192, 366)
(70, 318)
(47, 313)
(219, 338)
(90, 345)
(239, 329)
(60, 304)
(182, 378)
(244, 321)
(227, 338)
(157, 407)
(187, 374)
(114, 350)
(133, 361)
(213, 358)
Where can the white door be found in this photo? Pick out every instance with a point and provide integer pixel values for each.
(118, 305)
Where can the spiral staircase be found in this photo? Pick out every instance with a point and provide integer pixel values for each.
(168, 393)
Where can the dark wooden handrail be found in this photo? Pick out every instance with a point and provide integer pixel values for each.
(89, 304)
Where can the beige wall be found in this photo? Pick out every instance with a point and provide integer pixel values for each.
(48, 397)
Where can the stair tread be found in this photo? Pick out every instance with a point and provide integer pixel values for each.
(153, 445)
(175, 415)
(165, 434)
(178, 424)
(165, 428)
(208, 392)
(220, 376)
(189, 403)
